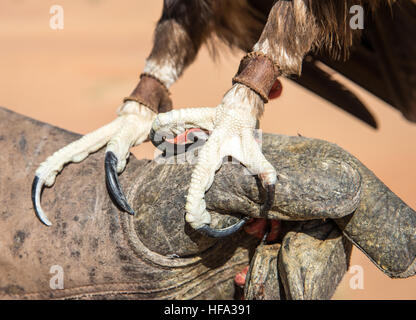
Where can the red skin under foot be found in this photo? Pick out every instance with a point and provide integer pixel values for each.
(257, 228)
(240, 278)
(276, 90)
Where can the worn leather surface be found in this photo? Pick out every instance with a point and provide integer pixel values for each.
(262, 280)
(151, 93)
(313, 250)
(259, 73)
(109, 254)
(90, 239)
(308, 263)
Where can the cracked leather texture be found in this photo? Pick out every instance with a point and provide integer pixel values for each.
(109, 254)
(258, 73)
(152, 94)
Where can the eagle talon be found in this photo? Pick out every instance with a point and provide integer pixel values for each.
(225, 232)
(267, 231)
(37, 187)
(113, 184)
(268, 203)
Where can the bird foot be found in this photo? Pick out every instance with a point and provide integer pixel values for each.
(129, 129)
(232, 126)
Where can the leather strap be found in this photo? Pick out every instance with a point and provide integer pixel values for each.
(258, 72)
(152, 93)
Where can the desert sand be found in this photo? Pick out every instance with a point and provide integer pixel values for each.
(76, 78)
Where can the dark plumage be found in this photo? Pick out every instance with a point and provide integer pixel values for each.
(319, 29)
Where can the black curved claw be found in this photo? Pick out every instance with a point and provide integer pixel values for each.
(267, 205)
(267, 232)
(113, 185)
(37, 187)
(222, 233)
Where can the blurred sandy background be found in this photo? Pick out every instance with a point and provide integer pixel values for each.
(75, 78)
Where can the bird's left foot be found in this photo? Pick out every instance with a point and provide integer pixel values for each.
(232, 125)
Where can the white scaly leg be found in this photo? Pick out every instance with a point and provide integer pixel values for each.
(130, 128)
(166, 72)
(272, 56)
(232, 124)
(136, 126)
(175, 47)
(135, 130)
(177, 121)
